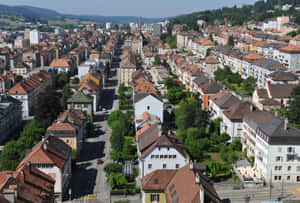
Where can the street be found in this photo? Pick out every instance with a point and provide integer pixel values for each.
(88, 179)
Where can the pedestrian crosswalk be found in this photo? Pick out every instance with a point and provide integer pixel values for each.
(88, 197)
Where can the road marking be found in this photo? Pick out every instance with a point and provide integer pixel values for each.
(88, 197)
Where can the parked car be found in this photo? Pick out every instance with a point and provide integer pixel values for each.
(99, 161)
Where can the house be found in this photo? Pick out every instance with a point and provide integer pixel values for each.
(70, 128)
(289, 56)
(164, 153)
(190, 185)
(220, 102)
(10, 116)
(207, 91)
(26, 184)
(149, 103)
(91, 88)
(52, 156)
(127, 67)
(262, 101)
(27, 91)
(82, 102)
(232, 119)
(280, 77)
(210, 65)
(275, 145)
(61, 65)
(154, 185)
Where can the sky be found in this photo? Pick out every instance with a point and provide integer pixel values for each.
(145, 8)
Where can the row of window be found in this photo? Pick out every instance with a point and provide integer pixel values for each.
(164, 166)
(163, 156)
(289, 168)
(278, 178)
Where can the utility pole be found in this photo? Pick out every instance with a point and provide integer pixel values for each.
(270, 192)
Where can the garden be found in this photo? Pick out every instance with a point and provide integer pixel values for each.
(125, 100)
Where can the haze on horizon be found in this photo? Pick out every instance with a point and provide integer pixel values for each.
(145, 8)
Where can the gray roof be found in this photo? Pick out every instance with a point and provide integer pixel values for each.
(270, 64)
(281, 90)
(278, 134)
(213, 88)
(257, 118)
(283, 76)
(227, 101)
(139, 97)
(149, 136)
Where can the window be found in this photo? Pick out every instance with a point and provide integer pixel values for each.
(152, 156)
(279, 177)
(165, 156)
(67, 141)
(154, 197)
(298, 178)
(161, 156)
(156, 156)
(173, 194)
(289, 168)
(177, 165)
(164, 165)
(170, 156)
(155, 181)
(275, 177)
(148, 108)
(288, 177)
(278, 158)
(149, 166)
(174, 156)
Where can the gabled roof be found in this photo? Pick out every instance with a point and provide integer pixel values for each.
(157, 180)
(139, 97)
(283, 76)
(49, 151)
(227, 101)
(60, 63)
(80, 97)
(163, 141)
(187, 190)
(237, 111)
(149, 136)
(281, 90)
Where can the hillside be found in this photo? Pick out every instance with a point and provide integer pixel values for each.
(260, 11)
(30, 13)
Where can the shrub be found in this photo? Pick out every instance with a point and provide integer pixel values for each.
(112, 168)
(75, 80)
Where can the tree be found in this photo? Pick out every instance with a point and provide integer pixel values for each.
(112, 168)
(10, 156)
(74, 46)
(230, 41)
(116, 155)
(293, 110)
(47, 107)
(19, 78)
(175, 95)
(117, 136)
(117, 180)
(223, 138)
(75, 80)
(66, 94)
(115, 115)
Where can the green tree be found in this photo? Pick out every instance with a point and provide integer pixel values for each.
(19, 78)
(117, 180)
(117, 136)
(223, 138)
(175, 95)
(47, 107)
(75, 80)
(230, 41)
(116, 155)
(293, 110)
(114, 116)
(112, 168)
(66, 94)
(10, 156)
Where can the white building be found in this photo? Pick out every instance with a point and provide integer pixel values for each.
(162, 154)
(275, 145)
(270, 24)
(108, 25)
(232, 119)
(289, 56)
(35, 37)
(150, 104)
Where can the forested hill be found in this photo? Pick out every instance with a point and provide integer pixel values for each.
(260, 11)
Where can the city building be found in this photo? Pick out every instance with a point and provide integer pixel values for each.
(35, 37)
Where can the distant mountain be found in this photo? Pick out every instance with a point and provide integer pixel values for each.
(30, 12)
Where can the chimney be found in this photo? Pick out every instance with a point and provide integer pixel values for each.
(191, 165)
(286, 122)
(45, 146)
(251, 107)
(197, 177)
(9, 175)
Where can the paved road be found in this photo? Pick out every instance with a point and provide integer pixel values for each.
(88, 180)
(257, 195)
